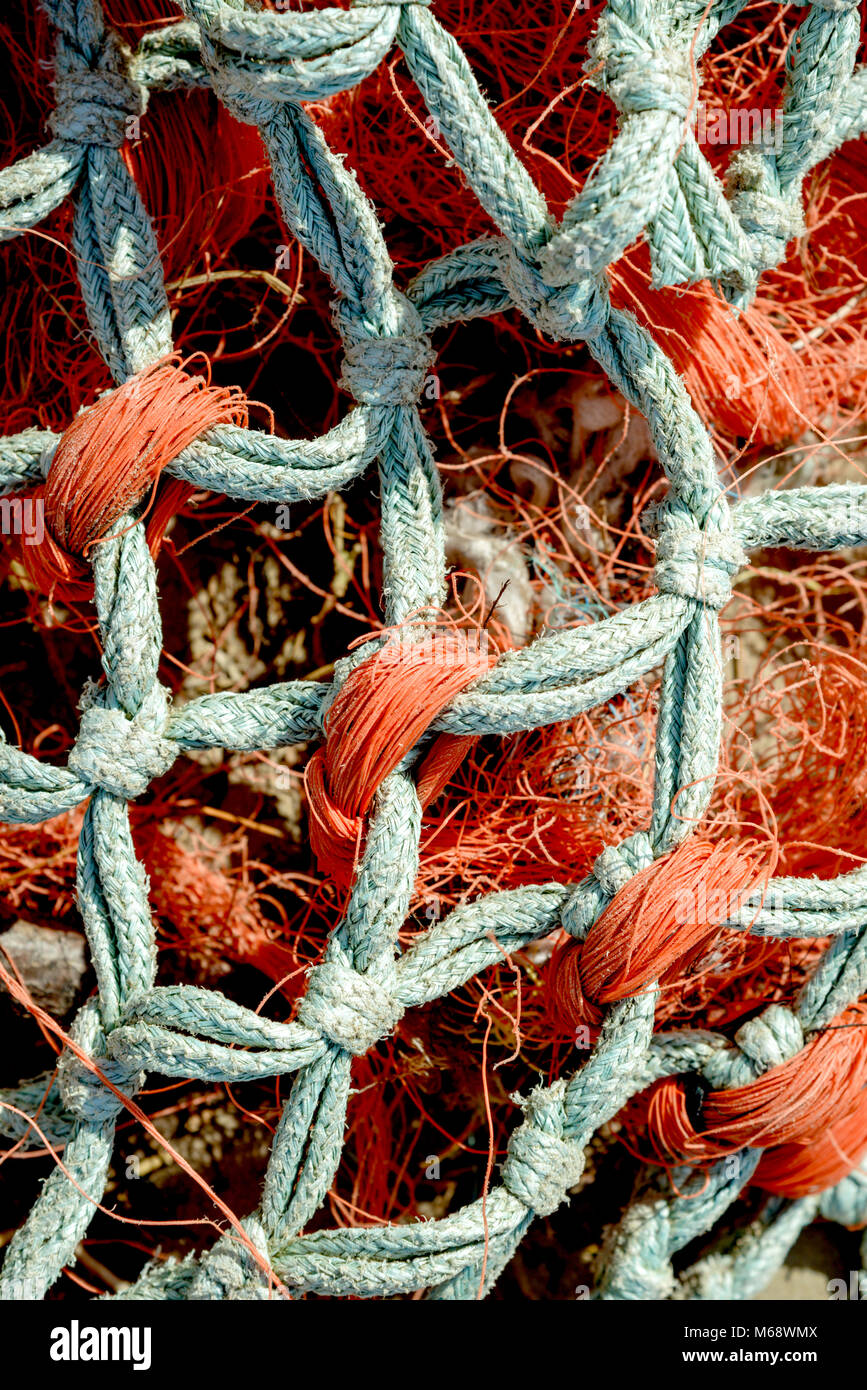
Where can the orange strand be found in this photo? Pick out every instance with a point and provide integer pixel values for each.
(800, 1170)
(666, 916)
(382, 711)
(793, 1103)
(108, 458)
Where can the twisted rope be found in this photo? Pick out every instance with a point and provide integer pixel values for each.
(653, 180)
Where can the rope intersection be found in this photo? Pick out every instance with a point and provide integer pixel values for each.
(653, 181)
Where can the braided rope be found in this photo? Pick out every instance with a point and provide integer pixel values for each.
(653, 180)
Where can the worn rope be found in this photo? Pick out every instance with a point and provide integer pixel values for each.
(652, 181)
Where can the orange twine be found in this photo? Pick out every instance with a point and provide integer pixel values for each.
(800, 1170)
(794, 1103)
(666, 916)
(109, 456)
(382, 711)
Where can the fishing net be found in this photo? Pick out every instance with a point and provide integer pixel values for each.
(549, 753)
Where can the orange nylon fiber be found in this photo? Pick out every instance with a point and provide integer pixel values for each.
(793, 1103)
(108, 457)
(111, 453)
(381, 712)
(799, 1170)
(665, 916)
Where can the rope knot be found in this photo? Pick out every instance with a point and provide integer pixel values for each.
(123, 755)
(770, 217)
(692, 561)
(229, 1272)
(94, 104)
(769, 1040)
(617, 864)
(348, 1008)
(612, 870)
(541, 1164)
(388, 370)
(83, 1093)
(652, 80)
(567, 306)
(383, 709)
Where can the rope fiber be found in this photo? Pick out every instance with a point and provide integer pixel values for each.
(394, 730)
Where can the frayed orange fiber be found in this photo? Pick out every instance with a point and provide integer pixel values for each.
(383, 709)
(209, 914)
(793, 1103)
(111, 453)
(665, 917)
(800, 1170)
(109, 456)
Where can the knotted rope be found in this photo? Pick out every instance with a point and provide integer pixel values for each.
(379, 715)
(367, 820)
(109, 457)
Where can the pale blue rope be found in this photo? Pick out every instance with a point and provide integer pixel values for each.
(652, 179)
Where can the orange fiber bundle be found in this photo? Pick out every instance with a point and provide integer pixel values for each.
(793, 1103)
(109, 456)
(799, 1170)
(762, 376)
(383, 709)
(664, 917)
